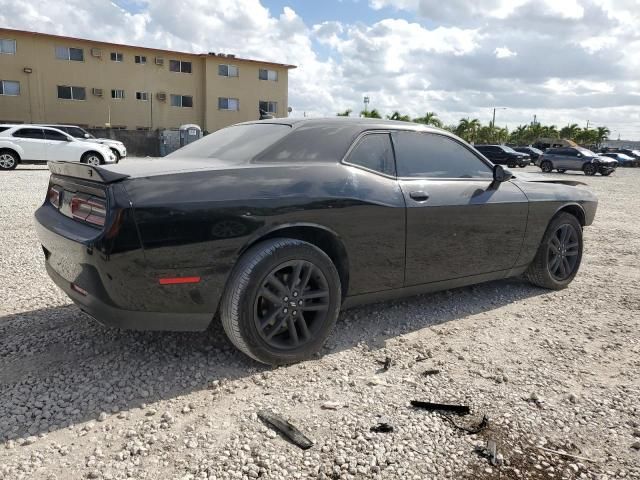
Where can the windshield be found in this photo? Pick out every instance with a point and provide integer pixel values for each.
(77, 132)
(508, 149)
(239, 142)
(586, 152)
(535, 150)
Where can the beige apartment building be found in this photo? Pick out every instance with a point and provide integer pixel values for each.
(54, 79)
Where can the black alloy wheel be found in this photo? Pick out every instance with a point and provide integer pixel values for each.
(281, 301)
(511, 165)
(563, 252)
(291, 305)
(546, 166)
(558, 258)
(590, 169)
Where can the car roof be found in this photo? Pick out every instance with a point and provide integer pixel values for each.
(351, 122)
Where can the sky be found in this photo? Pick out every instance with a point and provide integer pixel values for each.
(564, 61)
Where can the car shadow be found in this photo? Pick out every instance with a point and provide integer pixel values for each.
(59, 368)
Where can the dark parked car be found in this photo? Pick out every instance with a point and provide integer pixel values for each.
(533, 152)
(626, 151)
(503, 155)
(576, 158)
(277, 225)
(623, 159)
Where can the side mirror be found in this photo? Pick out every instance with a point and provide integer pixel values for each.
(86, 135)
(579, 155)
(501, 174)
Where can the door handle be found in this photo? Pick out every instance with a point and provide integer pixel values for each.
(419, 196)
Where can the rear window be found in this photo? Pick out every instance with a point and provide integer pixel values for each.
(3, 129)
(236, 143)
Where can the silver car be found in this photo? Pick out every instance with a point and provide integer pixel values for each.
(576, 158)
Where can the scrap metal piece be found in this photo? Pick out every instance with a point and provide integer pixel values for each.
(286, 429)
(471, 431)
(382, 428)
(386, 363)
(434, 407)
(492, 451)
(432, 371)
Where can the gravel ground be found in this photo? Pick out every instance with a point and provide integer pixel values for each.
(551, 371)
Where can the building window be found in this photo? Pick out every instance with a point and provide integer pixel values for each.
(181, 101)
(116, 56)
(228, 71)
(269, 107)
(228, 104)
(144, 96)
(117, 94)
(10, 88)
(179, 66)
(71, 93)
(264, 74)
(66, 53)
(141, 59)
(8, 46)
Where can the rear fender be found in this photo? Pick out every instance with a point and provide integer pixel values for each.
(5, 144)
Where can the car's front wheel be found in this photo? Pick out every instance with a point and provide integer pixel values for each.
(92, 158)
(558, 258)
(590, 169)
(606, 173)
(546, 166)
(281, 301)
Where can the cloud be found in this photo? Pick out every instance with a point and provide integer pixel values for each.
(563, 60)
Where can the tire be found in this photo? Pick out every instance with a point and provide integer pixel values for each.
(511, 165)
(117, 155)
(259, 312)
(522, 166)
(8, 160)
(607, 173)
(561, 170)
(543, 271)
(92, 158)
(589, 169)
(546, 166)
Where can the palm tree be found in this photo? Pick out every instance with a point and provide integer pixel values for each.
(370, 114)
(468, 129)
(570, 131)
(602, 135)
(346, 113)
(398, 116)
(430, 118)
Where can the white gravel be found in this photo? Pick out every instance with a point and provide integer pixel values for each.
(552, 370)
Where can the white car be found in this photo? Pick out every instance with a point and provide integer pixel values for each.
(116, 146)
(33, 143)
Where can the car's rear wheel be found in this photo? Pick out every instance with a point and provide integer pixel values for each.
(8, 160)
(511, 165)
(558, 258)
(546, 166)
(281, 301)
(92, 158)
(589, 169)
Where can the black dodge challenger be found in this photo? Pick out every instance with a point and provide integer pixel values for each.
(278, 224)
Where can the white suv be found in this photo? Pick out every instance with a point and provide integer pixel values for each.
(116, 146)
(34, 143)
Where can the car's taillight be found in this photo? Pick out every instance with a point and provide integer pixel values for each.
(88, 209)
(54, 196)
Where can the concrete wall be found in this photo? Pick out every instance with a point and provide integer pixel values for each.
(139, 143)
(38, 100)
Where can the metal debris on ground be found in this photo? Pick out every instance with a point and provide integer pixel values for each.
(434, 407)
(386, 363)
(432, 371)
(382, 428)
(470, 430)
(286, 429)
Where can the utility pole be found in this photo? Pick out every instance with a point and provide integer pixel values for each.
(534, 119)
(587, 124)
(366, 104)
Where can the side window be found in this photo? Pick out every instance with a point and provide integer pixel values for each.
(35, 133)
(432, 155)
(374, 152)
(53, 135)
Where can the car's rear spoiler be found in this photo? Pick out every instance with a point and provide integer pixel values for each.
(86, 172)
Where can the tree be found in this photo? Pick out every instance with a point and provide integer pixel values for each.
(570, 131)
(602, 134)
(468, 129)
(399, 117)
(346, 113)
(430, 118)
(370, 114)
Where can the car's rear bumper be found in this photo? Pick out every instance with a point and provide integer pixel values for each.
(114, 317)
(115, 287)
